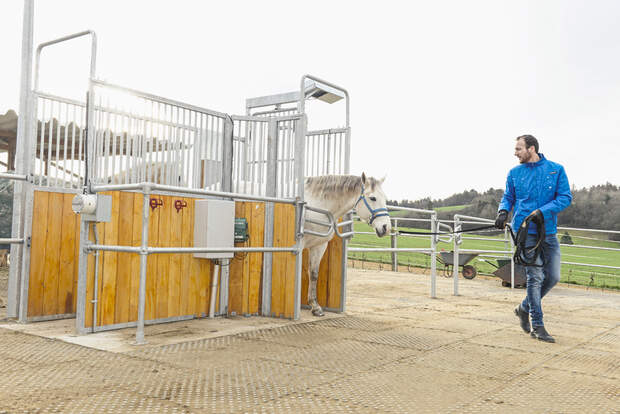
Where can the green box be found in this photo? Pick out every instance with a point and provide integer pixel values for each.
(241, 230)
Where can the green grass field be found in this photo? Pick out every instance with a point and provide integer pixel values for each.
(577, 274)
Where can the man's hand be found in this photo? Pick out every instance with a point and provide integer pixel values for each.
(500, 221)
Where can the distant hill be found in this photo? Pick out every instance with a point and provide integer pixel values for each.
(596, 207)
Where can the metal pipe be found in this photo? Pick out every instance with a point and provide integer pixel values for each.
(183, 190)
(143, 263)
(455, 264)
(388, 249)
(216, 272)
(157, 250)
(95, 300)
(434, 239)
(11, 241)
(93, 56)
(11, 176)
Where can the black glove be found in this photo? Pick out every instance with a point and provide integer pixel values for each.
(500, 221)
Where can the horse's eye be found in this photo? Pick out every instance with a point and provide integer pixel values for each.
(373, 198)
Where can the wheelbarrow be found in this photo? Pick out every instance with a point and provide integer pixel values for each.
(503, 272)
(447, 259)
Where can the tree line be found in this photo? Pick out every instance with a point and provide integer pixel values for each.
(596, 207)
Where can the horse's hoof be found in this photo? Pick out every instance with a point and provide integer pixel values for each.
(318, 312)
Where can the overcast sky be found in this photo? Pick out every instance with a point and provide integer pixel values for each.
(439, 89)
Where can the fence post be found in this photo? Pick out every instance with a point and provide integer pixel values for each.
(434, 228)
(394, 245)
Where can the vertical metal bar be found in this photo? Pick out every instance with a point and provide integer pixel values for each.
(143, 263)
(434, 238)
(59, 120)
(394, 245)
(214, 278)
(300, 156)
(227, 155)
(512, 259)
(75, 123)
(455, 266)
(27, 111)
(272, 150)
(80, 307)
(64, 158)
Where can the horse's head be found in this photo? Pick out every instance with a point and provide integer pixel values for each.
(371, 206)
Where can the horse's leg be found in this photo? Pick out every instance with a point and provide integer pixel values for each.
(315, 255)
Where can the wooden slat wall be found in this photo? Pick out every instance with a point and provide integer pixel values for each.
(177, 285)
(283, 267)
(246, 269)
(52, 286)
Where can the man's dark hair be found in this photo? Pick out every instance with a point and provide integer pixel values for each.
(529, 141)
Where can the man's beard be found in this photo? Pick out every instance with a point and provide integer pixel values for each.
(526, 159)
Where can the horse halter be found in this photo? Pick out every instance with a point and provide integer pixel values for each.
(374, 213)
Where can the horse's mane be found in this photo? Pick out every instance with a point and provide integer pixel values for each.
(329, 186)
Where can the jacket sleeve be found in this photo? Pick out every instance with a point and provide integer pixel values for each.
(563, 197)
(508, 200)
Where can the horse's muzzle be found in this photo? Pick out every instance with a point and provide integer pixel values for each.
(382, 231)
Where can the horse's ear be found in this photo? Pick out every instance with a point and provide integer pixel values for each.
(382, 180)
(364, 178)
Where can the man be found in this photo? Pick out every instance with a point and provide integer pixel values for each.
(539, 188)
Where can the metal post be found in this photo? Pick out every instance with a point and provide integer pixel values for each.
(272, 148)
(434, 238)
(299, 238)
(22, 161)
(143, 262)
(455, 269)
(512, 261)
(394, 245)
(80, 307)
(213, 290)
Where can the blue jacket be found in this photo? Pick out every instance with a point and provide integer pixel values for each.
(539, 185)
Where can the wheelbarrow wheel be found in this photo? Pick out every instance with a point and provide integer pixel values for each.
(469, 272)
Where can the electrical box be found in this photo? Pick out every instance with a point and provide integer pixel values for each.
(241, 230)
(214, 226)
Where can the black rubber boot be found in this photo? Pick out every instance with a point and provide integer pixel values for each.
(540, 333)
(524, 319)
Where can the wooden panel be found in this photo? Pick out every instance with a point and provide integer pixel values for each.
(52, 255)
(107, 300)
(257, 237)
(283, 271)
(187, 240)
(289, 271)
(163, 260)
(236, 275)
(136, 240)
(174, 282)
(68, 259)
(152, 262)
(335, 271)
(123, 275)
(278, 262)
(37, 253)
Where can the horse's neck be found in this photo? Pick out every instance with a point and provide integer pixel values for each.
(338, 206)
